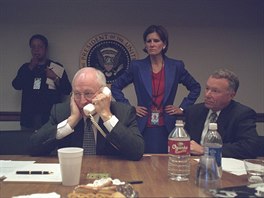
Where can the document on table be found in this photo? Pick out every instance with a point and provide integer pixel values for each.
(233, 166)
(8, 166)
(54, 176)
(40, 195)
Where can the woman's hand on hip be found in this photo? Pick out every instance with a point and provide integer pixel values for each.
(141, 111)
(172, 110)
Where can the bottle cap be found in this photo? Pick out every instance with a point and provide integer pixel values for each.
(212, 126)
(179, 123)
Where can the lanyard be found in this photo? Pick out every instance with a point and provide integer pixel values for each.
(156, 90)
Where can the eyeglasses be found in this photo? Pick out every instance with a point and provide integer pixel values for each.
(87, 96)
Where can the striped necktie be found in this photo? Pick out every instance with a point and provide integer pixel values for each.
(213, 117)
(89, 146)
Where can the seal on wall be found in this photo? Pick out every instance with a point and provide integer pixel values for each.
(109, 52)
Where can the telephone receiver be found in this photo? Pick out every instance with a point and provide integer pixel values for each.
(89, 109)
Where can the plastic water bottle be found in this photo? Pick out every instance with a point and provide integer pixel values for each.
(179, 153)
(213, 145)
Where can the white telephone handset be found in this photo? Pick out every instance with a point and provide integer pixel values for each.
(89, 109)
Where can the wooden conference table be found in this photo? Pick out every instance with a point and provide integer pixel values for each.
(152, 170)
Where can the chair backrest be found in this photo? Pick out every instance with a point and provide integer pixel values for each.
(14, 142)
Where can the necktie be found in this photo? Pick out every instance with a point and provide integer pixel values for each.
(89, 147)
(213, 117)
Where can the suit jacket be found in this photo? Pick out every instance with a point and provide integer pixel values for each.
(236, 125)
(140, 72)
(125, 135)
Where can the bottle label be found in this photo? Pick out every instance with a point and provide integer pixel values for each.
(179, 147)
(216, 152)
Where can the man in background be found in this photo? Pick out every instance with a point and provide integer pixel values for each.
(43, 83)
(236, 122)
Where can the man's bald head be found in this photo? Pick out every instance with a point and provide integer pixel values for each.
(90, 73)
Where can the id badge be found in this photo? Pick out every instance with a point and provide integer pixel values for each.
(154, 117)
(37, 83)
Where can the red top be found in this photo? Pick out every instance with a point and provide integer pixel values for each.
(158, 89)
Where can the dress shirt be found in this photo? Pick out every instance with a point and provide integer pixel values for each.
(64, 129)
(206, 124)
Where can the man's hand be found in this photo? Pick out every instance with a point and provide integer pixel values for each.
(75, 113)
(33, 63)
(196, 149)
(102, 103)
(50, 74)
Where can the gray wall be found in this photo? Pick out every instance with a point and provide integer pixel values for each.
(205, 34)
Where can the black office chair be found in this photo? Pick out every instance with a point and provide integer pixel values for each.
(261, 151)
(14, 142)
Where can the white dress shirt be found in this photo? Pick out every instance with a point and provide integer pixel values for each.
(206, 125)
(64, 129)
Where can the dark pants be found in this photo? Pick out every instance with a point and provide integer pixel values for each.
(156, 139)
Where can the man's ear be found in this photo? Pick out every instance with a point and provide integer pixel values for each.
(233, 94)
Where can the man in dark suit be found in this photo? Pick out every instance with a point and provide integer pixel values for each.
(236, 122)
(66, 127)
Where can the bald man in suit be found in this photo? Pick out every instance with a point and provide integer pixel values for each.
(65, 127)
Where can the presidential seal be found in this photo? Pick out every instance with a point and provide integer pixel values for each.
(109, 52)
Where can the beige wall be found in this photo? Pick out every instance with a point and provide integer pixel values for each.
(205, 34)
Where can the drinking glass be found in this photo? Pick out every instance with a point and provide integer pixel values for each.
(207, 175)
(255, 170)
